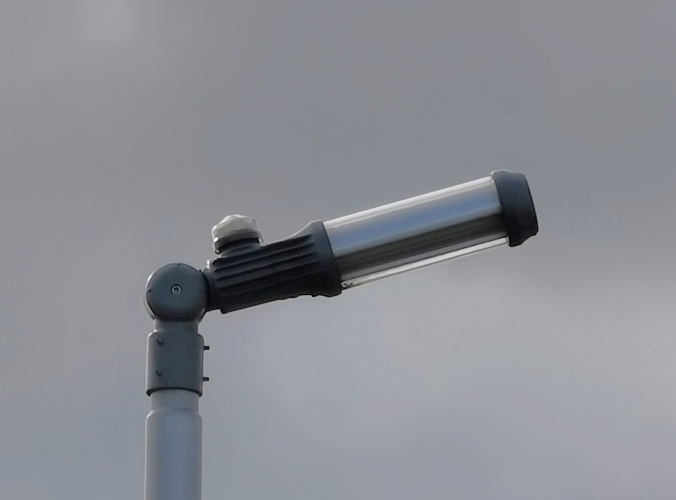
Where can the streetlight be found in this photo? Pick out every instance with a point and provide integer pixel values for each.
(324, 258)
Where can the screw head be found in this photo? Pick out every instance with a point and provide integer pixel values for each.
(234, 228)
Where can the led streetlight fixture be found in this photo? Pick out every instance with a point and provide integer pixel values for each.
(321, 259)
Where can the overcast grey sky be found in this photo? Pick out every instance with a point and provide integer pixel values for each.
(127, 129)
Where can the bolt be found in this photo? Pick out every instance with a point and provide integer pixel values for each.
(206, 347)
(159, 341)
(158, 373)
(205, 379)
(176, 289)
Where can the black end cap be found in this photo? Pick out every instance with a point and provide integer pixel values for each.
(518, 209)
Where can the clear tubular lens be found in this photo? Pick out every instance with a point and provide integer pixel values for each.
(417, 232)
(424, 263)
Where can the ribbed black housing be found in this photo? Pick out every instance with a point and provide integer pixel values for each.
(302, 264)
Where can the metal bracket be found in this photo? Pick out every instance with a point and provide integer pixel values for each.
(176, 297)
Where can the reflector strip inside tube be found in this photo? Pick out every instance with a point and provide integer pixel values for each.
(424, 263)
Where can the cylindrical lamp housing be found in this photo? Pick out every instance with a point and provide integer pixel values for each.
(432, 228)
(326, 258)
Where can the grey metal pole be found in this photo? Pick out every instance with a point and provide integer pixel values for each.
(176, 297)
(174, 446)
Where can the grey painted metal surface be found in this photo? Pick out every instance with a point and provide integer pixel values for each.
(173, 446)
(176, 297)
(368, 244)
